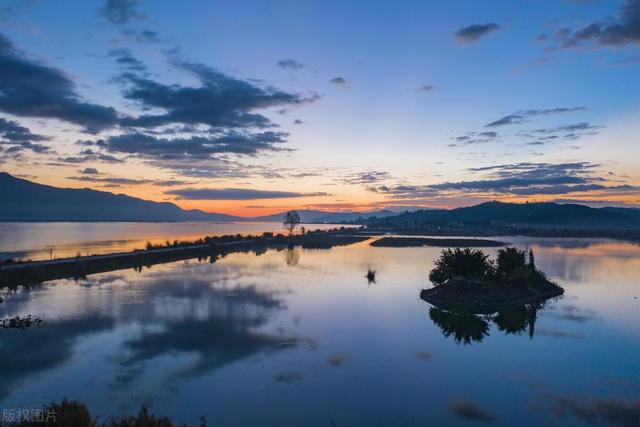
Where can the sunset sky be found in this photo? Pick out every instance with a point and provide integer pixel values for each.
(253, 107)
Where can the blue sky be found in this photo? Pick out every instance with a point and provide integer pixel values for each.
(390, 102)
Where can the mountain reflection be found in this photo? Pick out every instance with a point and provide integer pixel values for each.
(466, 328)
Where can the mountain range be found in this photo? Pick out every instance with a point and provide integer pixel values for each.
(23, 200)
(518, 214)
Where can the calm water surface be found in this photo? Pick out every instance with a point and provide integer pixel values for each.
(299, 337)
(29, 239)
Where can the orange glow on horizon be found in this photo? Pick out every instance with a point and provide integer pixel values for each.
(350, 199)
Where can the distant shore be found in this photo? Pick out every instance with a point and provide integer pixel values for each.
(405, 242)
(631, 235)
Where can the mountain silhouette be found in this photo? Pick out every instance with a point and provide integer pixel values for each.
(22, 200)
(533, 214)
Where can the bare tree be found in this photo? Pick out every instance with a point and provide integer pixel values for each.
(291, 221)
(50, 250)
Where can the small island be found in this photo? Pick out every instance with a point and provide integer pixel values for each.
(467, 280)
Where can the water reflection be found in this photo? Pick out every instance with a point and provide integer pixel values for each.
(170, 311)
(221, 331)
(292, 256)
(22, 358)
(27, 240)
(467, 328)
(192, 339)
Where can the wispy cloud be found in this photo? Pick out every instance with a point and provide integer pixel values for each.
(426, 88)
(340, 82)
(39, 90)
(473, 33)
(522, 115)
(111, 180)
(236, 194)
(621, 30)
(290, 64)
(519, 179)
(121, 12)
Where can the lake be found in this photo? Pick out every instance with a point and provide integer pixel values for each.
(28, 239)
(300, 337)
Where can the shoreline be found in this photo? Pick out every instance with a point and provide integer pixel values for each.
(30, 273)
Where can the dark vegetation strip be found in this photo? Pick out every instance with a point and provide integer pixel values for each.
(70, 413)
(403, 242)
(629, 235)
(27, 274)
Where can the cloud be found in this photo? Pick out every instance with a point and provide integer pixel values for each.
(219, 101)
(341, 82)
(111, 180)
(470, 411)
(147, 36)
(426, 88)
(126, 60)
(474, 138)
(473, 33)
(172, 182)
(32, 89)
(511, 119)
(566, 132)
(290, 64)
(368, 177)
(210, 169)
(621, 30)
(89, 155)
(522, 115)
(522, 179)
(194, 147)
(236, 194)
(90, 171)
(121, 12)
(20, 138)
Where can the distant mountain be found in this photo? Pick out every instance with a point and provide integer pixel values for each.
(315, 216)
(22, 200)
(531, 214)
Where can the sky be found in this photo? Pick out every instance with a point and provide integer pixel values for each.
(253, 107)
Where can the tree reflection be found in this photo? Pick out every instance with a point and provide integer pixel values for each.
(292, 256)
(466, 328)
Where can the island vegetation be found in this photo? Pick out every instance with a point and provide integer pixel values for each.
(469, 280)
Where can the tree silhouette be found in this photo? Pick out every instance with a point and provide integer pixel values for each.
(50, 250)
(291, 221)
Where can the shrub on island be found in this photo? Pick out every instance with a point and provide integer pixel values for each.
(473, 266)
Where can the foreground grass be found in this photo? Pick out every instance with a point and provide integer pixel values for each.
(70, 413)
